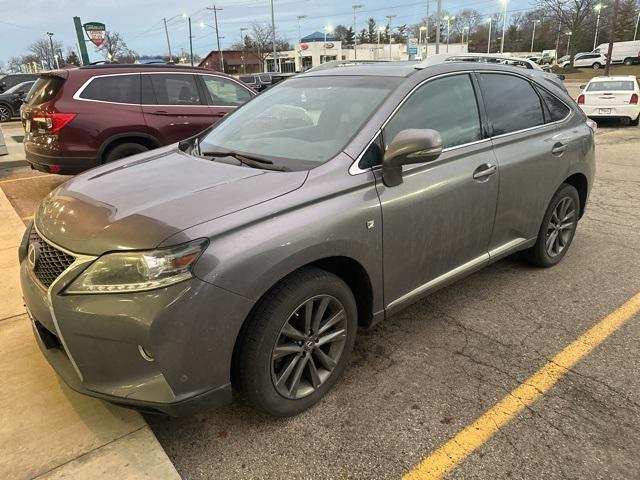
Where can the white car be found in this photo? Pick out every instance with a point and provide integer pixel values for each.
(615, 96)
(591, 60)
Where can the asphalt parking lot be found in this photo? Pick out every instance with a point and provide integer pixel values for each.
(427, 373)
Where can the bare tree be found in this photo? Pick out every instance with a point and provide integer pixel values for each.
(41, 49)
(113, 46)
(573, 16)
(259, 42)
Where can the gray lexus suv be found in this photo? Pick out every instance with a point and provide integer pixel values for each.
(249, 255)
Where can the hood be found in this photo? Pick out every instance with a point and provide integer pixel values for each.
(138, 202)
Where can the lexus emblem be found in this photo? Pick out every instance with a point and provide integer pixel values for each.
(33, 254)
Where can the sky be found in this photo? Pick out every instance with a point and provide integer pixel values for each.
(140, 21)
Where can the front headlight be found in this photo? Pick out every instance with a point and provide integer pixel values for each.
(138, 271)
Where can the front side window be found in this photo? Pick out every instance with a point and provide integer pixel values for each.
(447, 105)
(170, 89)
(114, 88)
(224, 92)
(511, 102)
(302, 122)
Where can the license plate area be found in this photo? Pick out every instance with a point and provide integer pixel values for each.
(604, 111)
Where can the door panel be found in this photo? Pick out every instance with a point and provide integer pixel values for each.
(172, 105)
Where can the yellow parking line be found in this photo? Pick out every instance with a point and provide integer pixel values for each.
(22, 178)
(452, 453)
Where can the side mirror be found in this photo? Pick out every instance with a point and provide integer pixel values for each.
(582, 87)
(412, 145)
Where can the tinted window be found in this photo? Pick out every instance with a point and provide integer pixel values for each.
(447, 105)
(114, 88)
(43, 90)
(171, 89)
(556, 110)
(225, 92)
(512, 103)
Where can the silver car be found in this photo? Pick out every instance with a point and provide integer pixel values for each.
(249, 255)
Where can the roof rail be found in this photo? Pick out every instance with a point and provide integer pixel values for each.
(343, 63)
(143, 65)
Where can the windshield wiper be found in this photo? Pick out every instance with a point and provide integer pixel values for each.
(249, 160)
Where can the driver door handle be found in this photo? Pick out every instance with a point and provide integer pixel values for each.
(558, 148)
(484, 171)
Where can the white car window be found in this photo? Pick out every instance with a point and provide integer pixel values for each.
(611, 85)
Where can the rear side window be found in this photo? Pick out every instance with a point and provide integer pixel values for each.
(170, 89)
(225, 92)
(447, 105)
(43, 90)
(556, 110)
(114, 88)
(511, 102)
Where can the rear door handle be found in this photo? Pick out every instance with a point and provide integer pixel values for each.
(160, 112)
(219, 114)
(483, 171)
(559, 148)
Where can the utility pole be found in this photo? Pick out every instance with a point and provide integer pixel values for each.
(215, 16)
(438, 13)
(273, 39)
(53, 53)
(300, 17)
(612, 29)
(166, 32)
(636, 30)
(355, 31)
(242, 30)
(489, 41)
(390, 17)
(504, 25)
(533, 36)
(190, 43)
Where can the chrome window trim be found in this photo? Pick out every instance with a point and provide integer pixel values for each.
(76, 96)
(354, 169)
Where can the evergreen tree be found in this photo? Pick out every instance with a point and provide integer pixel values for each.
(363, 36)
(349, 36)
(372, 31)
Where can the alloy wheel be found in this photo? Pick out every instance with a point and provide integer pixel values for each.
(309, 346)
(5, 114)
(560, 227)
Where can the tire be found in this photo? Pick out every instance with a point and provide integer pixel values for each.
(541, 256)
(636, 121)
(5, 113)
(123, 150)
(596, 65)
(628, 61)
(261, 377)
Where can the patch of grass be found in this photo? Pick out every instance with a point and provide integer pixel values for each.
(589, 73)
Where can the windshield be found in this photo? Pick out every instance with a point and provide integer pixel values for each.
(610, 85)
(302, 122)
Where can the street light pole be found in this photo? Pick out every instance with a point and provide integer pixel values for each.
(448, 19)
(190, 43)
(53, 53)
(242, 30)
(598, 8)
(166, 32)
(438, 13)
(504, 25)
(390, 17)
(273, 39)
(533, 36)
(636, 30)
(355, 32)
(489, 41)
(568, 41)
(300, 17)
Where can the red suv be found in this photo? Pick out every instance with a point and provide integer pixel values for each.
(77, 119)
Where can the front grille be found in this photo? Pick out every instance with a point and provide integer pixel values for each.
(51, 262)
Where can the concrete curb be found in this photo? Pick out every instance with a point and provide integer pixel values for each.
(46, 430)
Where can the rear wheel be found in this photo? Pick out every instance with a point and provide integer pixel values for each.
(5, 113)
(628, 61)
(596, 66)
(297, 343)
(557, 229)
(636, 121)
(124, 150)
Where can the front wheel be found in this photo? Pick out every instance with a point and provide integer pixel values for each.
(297, 343)
(557, 229)
(124, 150)
(5, 113)
(596, 66)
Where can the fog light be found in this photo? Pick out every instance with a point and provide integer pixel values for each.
(146, 355)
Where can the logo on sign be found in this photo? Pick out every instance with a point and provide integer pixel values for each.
(96, 32)
(328, 45)
(304, 46)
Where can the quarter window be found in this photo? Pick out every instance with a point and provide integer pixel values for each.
(114, 88)
(170, 89)
(447, 105)
(511, 102)
(556, 110)
(225, 92)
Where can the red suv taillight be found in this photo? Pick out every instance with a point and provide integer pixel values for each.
(634, 99)
(53, 122)
(581, 100)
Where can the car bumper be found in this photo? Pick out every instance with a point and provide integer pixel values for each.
(614, 111)
(58, 164)
(166, 351)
